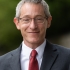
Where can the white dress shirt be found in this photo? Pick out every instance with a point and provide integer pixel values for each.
(25, 55)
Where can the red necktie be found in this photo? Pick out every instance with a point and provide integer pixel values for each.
(33, 63)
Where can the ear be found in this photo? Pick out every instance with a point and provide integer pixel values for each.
(49, 21)
(16, 23)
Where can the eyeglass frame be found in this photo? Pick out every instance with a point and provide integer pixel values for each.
(35, 19)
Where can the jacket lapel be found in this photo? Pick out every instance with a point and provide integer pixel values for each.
(15, 60)
(49, 57)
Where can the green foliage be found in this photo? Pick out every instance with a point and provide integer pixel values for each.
(9, 36)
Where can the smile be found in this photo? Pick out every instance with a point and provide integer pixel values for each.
(33, 32)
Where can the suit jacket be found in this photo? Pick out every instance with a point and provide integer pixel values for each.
(54, 58)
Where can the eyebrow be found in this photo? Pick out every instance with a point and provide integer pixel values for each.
(35, 16)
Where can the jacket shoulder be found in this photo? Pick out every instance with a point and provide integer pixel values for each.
(62, 49)
(6, 57)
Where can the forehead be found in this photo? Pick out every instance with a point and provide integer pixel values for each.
(31, 9)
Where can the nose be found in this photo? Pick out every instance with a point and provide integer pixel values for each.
(33, 25)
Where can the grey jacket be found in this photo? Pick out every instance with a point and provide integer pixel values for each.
(54, 58)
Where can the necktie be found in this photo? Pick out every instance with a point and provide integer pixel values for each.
(33, 63)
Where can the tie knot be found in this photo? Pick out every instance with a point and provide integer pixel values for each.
(33, 53)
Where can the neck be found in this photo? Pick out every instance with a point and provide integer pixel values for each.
(33, 45)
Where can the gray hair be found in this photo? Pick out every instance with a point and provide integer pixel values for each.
(42, 2)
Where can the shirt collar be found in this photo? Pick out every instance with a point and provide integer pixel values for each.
(40, 49)
(27, 50)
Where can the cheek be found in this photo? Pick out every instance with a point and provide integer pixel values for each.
(23, 29)
(45, 26)
(43, 29)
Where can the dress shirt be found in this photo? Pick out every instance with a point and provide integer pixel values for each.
(25, 55)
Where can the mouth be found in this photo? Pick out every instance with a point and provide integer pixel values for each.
(33, 32)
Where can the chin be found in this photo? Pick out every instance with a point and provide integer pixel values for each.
(35, 41)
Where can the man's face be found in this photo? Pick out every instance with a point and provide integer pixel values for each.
(33, 31)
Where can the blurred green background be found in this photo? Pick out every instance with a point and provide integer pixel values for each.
(10, 37)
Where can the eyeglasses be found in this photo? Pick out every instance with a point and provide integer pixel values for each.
(38, 20)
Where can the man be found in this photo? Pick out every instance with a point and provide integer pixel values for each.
(32, 19)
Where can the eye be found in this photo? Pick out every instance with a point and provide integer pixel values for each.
(25, 19)
(39, 18)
